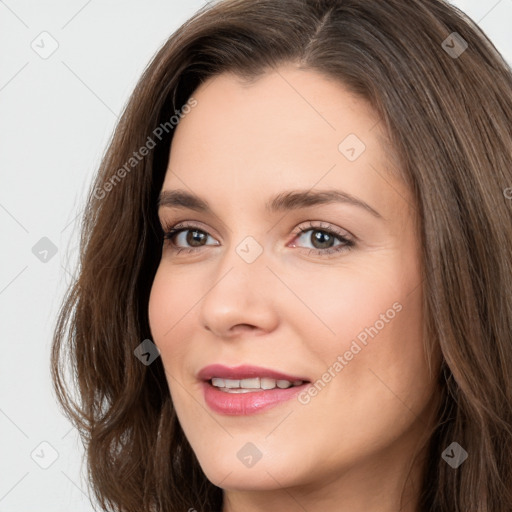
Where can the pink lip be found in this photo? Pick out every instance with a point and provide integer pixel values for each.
(243, 404)
(243, 372)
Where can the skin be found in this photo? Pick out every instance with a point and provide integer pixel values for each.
(351, 446)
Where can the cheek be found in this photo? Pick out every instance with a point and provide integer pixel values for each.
(373, 379)
(378, 345)
(339, 304)
(372, 318)
(169, 301)
(158, 308)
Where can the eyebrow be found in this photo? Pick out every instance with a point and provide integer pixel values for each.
(289, 200)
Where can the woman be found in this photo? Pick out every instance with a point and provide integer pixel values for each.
(295, 285)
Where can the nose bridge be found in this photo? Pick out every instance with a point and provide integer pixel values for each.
(245, 259)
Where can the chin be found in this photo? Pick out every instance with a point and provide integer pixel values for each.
(246, 481)
(230, 474)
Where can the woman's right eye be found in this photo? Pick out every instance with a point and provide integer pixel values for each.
(189, 238)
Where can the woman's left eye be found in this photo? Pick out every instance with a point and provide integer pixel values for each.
(323, 239)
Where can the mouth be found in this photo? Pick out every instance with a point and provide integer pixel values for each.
(245, 390)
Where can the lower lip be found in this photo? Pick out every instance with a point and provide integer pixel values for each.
(243, 404)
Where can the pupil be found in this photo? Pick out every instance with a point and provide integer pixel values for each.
(321, 238)
(195, 236)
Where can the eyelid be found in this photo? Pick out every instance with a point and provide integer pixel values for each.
(168, 226)
(186, 224)
(325, 226)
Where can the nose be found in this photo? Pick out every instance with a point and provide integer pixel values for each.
(241, 298)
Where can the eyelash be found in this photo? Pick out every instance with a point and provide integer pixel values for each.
(346, 243)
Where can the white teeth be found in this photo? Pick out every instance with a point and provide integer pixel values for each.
(252, 384)
(267, 383)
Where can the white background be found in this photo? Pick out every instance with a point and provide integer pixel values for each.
(56, 117)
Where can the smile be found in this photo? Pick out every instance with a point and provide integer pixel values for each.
(244, 390)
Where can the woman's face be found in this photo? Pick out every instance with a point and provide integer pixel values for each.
(338, 306)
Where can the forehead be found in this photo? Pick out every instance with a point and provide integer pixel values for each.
(284, 107)
(290, 128)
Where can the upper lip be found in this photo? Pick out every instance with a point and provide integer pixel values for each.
(244, 372)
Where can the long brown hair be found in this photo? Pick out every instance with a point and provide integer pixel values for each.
(448, 111)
